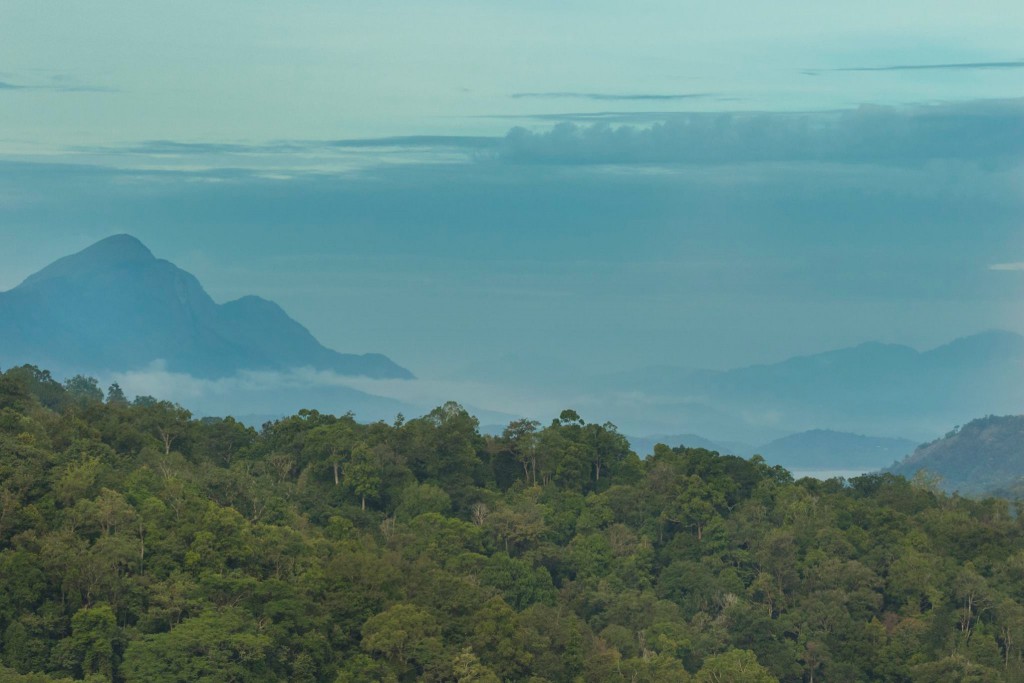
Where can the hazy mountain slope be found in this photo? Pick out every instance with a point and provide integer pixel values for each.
(826, 449)
(115, 307)
(983, 455)
(871, 388)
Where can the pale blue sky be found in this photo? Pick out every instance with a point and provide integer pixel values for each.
(105, 72)
(620, 184)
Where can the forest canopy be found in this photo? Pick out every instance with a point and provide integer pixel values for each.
(138, 543)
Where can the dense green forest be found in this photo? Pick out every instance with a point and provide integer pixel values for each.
(139, 544)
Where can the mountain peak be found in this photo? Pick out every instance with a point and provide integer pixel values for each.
(109, 252)
(122, 246)
(115, 307)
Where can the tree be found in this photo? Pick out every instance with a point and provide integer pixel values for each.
(975, 598)
(498, 638)
(217, 645)
(609, 447)
(734, 666)
(94, 637)
(115, 395)
(333, 443)
(466, 668)
(167, 421)
(363, 473)
(517, 524)
(405, 635)
(695, 504)
(442, 447)
(418, 499)
(84, 390)
(521, 438)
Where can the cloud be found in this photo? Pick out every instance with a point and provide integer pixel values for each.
(57, 86)
(989, 133)
(1007, 266)
(608, 97)
(1012, 64)
(592, 116)
(267, 394)
(420, 141)
(985, 132)
(179, 148)
(284, 159)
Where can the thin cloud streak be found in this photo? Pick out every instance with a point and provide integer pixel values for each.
(1007, 266)
(178, 148)
(1012, 64)
(7, 85)
(608, 97)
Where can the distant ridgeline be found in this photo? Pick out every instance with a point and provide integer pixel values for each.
(871, 388)
(140, 545)
(115, 307)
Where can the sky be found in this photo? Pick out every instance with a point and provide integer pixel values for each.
(532, 185)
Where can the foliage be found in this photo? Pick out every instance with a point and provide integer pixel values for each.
(140, 544)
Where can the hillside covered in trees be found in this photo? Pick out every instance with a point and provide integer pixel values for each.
(985, 455)
(138, 544)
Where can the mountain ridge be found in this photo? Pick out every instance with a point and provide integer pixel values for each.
(114, 306)
(875, 388)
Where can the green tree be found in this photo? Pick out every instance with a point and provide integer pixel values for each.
(406, 636)
(418, 499)
(333, 443)
(166, 421)
(734, 666)
(502, 644)
(363, 473)
(115, 395)
(695, 504)
(466, 668)
(84, 390)
(217, 645)
(520, 436)
(94, 645)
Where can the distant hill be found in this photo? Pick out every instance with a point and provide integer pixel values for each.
(825, 449)
(116, 307)
(870, 388)
(982, 456)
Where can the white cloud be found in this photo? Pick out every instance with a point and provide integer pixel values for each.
(1019, 265)
(282, 393)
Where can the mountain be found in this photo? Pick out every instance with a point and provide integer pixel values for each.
(870, 388)
(825, 449)
(984, 455)
(116, 307)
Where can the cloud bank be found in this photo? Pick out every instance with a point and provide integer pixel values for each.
(989, 132)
